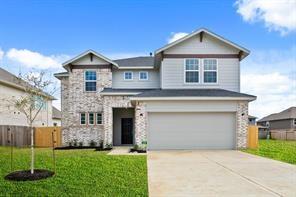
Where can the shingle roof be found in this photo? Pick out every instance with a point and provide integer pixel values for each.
(12, 80)
(289, 113)
(136, 62)
(192, 93)
(56, 113)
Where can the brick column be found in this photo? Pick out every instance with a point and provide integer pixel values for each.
(242, 125)
(140, 123)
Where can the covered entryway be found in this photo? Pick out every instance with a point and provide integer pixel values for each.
(123, 126)
(191, 130)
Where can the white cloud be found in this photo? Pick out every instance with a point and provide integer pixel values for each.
(277, 15)
(176, 36)
(271, 76)
(36, 60)
(1, 54)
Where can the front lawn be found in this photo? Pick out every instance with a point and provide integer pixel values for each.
(78, 173)
(276, 149)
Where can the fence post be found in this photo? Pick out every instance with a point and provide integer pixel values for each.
(53, 150)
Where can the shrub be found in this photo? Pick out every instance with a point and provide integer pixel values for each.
(70, 143)
(75, 142)
(80, 144)
(92, 143)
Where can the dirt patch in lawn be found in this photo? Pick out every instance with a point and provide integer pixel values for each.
(25, 175)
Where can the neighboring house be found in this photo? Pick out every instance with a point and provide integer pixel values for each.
(56, 117)
(252, 120)
(11, 87)
(281, 125)
(186, 96)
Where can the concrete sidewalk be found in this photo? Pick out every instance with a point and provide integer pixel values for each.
(218, 173)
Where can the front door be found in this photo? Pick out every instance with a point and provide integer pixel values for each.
(126, 131)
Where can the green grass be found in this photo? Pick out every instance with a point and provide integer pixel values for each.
(276, 149)
(78, 173)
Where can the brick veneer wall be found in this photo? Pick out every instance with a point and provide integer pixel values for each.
(75, 100)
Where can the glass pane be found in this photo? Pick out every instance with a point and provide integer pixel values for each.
(99, 118)
(143, 75)
(128, 75)
(191, 64)
(210, 77)
(90, 86)
(192, 77)
(210, 64)
(90, 75)
(91, 118)
(82, 118)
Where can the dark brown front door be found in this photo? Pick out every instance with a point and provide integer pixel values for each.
(126, 130)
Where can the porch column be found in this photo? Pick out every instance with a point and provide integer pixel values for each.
(140, 123)
(108, 119)
(242, 125)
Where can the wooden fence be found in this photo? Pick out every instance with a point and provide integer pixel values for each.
(252, 136)
(20, 136)
(44, 135)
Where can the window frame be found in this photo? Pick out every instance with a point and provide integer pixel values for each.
(203, 71)
(94, 118)
(97, 118)
(199, 71)
(85, 116)
(146, 75)
(85, 80)
(132, 75)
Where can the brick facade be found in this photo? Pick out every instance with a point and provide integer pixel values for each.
(75, 101)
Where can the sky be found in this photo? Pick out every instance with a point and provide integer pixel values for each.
(40, 35)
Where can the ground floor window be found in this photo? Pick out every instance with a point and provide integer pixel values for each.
(91, 118)
(99, 118)
(82, 118)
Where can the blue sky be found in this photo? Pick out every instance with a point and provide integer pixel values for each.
(57, 30)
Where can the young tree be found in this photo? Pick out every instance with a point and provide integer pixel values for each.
(35, 87)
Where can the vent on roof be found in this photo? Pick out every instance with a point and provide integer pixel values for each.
(150, 53)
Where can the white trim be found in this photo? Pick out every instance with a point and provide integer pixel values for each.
(119, 93)
(246, 51)
(184, 67)
(89, 118)
(128, 79)
(88, 52)
(147, 74)
(139, 67)
(192, 98)
(85, 116)
(203, 71)
(84, 81)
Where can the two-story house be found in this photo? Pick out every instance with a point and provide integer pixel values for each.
(186, 96)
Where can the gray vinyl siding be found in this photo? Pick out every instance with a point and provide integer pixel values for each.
(119, 82)
(228, 75)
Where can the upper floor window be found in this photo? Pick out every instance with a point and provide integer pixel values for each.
(143, 75)
(128, 75)
(191, 71)
(210, 71)
(90, 81)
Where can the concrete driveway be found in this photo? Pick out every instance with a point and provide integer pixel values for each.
(218, 173)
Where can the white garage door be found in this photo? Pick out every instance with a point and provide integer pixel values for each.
(188, 130)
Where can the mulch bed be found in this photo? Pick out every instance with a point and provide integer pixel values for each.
(25, 175)
(138, 151)
(97, 148)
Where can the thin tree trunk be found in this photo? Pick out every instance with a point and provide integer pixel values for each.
(32, 149)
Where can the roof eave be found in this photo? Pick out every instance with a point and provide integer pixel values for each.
(194, 98)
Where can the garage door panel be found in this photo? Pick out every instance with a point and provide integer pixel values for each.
(191, 130)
